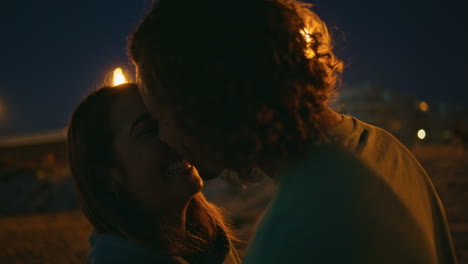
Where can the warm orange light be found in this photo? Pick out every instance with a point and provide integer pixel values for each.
(305, 32)
(119, 77)
(423, 106)
(308, 52)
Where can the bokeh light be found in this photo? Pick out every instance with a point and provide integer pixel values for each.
(423, 106)
(421, 134)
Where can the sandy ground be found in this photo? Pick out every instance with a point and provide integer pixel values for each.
(49, 238)
(62, 237)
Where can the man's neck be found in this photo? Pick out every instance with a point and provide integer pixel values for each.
(327, 118)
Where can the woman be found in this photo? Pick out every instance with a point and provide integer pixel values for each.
(143, 200)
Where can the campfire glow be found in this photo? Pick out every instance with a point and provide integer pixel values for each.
(119, 77)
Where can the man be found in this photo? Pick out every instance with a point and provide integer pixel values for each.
(248, 86)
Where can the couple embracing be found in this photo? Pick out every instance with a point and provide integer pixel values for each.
(241, 87)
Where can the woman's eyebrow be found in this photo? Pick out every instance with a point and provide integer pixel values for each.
(143, 117)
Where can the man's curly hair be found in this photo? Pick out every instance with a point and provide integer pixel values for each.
(248, 78)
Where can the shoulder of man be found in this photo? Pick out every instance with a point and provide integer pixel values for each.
(332, 208)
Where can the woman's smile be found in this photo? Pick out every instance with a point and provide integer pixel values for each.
(179, 168)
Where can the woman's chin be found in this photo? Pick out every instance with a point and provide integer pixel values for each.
(197, 188)
(196, 181)
(186, 183)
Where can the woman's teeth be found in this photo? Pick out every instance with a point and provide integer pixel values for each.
(179, 167)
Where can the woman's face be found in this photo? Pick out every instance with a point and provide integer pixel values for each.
(150, 172)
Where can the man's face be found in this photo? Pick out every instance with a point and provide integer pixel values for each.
(208, 161)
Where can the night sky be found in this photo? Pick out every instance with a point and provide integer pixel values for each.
(55, 52)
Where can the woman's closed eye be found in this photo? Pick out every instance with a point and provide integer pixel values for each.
(151, 129)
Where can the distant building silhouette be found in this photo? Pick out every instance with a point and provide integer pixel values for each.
(403, 116)
(45, 149)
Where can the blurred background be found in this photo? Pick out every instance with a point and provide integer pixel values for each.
(406, 72)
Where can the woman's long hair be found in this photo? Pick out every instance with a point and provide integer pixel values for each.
(91, 154)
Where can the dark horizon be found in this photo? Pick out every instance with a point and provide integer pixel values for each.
(56, 52)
